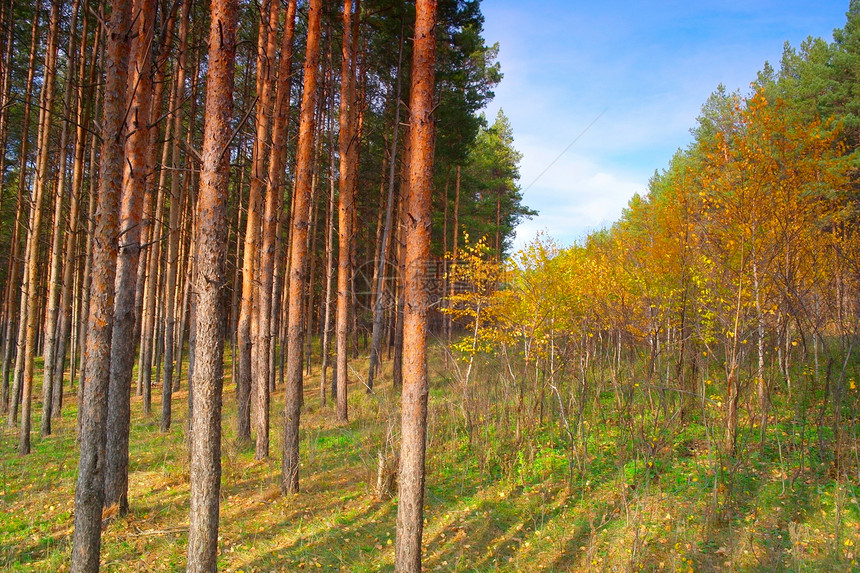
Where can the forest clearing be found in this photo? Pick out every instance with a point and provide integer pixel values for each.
(262, 308)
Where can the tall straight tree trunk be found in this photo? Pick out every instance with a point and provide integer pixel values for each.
(191, 184)
(346, 204)
(57, 244)
(400, 244)
(14, 336)
(40, 181)
(299, 255)
(379, 303)
(265, 365)
(397, 310)
(449, 323)
(260, 325)
(410, 505)
(89, 492)
(154, 187)
(176, 192)
(251, 252)
(357, 112)
(136, 172)
(82, 119)
(154, 229)
(86, 280)
(276, 184)
(325, 329)
(380, 219)
(309, 306)
(211, 214)
(238, 185)
(447, 270)
(8, 21)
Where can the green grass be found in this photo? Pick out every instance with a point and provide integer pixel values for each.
(661, 501)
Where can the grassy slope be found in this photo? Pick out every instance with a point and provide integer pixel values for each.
(491, 505)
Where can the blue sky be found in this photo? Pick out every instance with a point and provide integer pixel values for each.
(647, 68)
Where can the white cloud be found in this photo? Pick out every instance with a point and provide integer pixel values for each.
(647, 68)
(573, 197)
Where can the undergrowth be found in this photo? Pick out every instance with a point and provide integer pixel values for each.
(510, 487)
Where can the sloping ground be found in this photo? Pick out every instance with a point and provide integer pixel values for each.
(507, 507)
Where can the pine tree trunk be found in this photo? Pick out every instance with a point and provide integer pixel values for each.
(449, 323)
(274, 193)
(410, 506)
(12, 285)
(40, 182)
(82, 118)
(8, 22)
(89, 493)
(325, 327)
(6, 325)
(211, 275)
(265, 257)
(86, 281)
(299, 255)
(150, 310)
(177, 190)
(246, 381)
(135, 174)
(346, 204)
(380, 299)
(309, 306)
(400, 243)
(54, 283)
(149, 243)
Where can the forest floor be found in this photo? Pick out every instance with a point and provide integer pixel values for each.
(667, 514)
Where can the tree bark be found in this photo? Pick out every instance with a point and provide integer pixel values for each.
(40, 181)
(210, 280)
(153, 200)
(89, 492)
(246, 382)
(274, 189)
(86, 280)
(346, 204)
(8, 22)
(379, 303)
(176, 194)
(410, 504)
(449, 323)
(12, 345)
(325, 327)
(265, 257)
(54, 282)
(82, 119)
(400, 244)
(299, 255)
(136, 172)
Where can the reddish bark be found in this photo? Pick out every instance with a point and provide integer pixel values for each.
(177, 192)
(41, 181)
(270, 224)
(54, 282)
(136, 172)
(346, 205)
(299, 255)
(263, 233)
(379, 272)
(89, 493)
(418, 222)
(246, 381)
(211, 275)
(14, 334)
